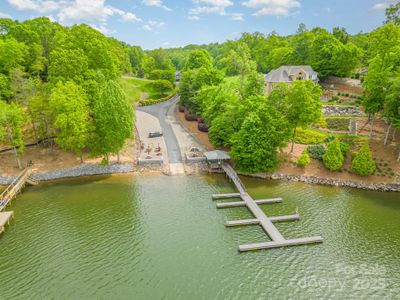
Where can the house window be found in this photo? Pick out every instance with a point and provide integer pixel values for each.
(299, 78)
(310, 77)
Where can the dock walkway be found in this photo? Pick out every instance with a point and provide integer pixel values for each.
(11, 192)
(277, 239)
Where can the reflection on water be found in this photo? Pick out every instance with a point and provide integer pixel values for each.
(127, 237)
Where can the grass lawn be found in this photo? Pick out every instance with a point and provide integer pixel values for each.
(135, 87)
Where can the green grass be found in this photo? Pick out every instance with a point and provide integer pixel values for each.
(134, 87)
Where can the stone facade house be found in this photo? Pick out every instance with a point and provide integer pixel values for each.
(288, 74)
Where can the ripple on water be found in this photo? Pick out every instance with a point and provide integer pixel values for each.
(162, 237)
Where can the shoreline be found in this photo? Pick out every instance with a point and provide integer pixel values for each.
(88, 170)
(315, 180)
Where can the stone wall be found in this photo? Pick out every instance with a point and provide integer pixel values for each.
(382, 187)
(342, 110)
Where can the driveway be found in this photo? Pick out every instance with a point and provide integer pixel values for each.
(160, 111)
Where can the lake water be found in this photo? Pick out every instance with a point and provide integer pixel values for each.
(159, 237)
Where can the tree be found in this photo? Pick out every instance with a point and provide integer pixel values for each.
(304, 105)
(254, 146)
(13, 54)
(333, 158)
(163, 86)
(393, 13)
(136, 57)
(67, 65)
(11, 124)
(113, 121)
(341, 34)
(362, 163)
(198, 59)
(254, 85)
(71, 116)
(376, 86)
(392, 107)
(5, 89)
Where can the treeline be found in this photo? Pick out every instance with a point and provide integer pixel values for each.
(329, 53)
(60, 82)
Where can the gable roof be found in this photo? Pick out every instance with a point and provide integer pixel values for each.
(282, 73)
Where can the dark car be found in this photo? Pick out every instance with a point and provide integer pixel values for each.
(154, 134)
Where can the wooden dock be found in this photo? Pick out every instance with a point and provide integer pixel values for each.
(261, 219)
(11, 192)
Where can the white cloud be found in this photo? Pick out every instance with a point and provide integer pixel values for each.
(5, 16)
(272, 7)
(36, 5)
(382, 5)
(130, 17)
(101, 28)
(379, 6)
(70, 10)
(193, 18)
(210, 7)
(237, 16)
(156, 3)
(153, 25)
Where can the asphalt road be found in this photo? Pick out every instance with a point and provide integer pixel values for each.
(160, 111)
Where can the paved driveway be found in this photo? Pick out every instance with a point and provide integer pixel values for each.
(160, 111)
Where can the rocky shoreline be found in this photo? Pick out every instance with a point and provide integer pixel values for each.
(80, 171)
(196, 168)
(381, 187)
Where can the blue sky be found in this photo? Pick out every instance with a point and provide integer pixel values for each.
(171, 23)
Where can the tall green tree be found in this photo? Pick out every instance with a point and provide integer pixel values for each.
(198, 59)
(12, 121)
(393, 13)
(13, 54)
(255, 145)
(113, 121)
(71, 116)
(303, 105)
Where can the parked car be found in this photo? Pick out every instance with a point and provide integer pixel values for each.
(154, 134)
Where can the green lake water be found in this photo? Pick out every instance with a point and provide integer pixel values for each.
(159, 237)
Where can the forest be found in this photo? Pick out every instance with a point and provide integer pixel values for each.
(61, 85)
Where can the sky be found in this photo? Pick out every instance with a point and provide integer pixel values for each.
(171, 23)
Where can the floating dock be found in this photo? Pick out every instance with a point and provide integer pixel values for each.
(260, 218)
(5, 219)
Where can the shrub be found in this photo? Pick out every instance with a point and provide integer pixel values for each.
(303, 160)
(190, 117)
(362, 163)
(316, 151)
(335, 98)
(345, 148)
(330, 138)
(341, 124)
(333, 158)
(322, 123)
(309, 136)
(202, 127)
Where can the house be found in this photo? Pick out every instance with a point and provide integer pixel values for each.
(289, 74)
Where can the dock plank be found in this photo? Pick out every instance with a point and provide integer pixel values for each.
(284, 243)
(225, 196)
